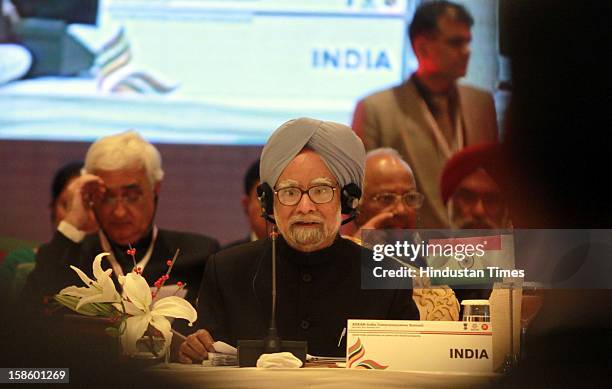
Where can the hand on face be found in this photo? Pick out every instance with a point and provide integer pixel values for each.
(390, 198)
(379, 221)
(127, 207)
(86, 191)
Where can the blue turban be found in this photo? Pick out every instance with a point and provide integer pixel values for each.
(338, 146)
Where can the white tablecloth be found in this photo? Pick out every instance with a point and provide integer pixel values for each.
(233, 377)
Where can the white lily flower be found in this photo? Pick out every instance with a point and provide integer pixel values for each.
(142, 313)
(102, 290)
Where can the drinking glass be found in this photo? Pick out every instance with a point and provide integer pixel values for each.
(531, 303)
(476, 310)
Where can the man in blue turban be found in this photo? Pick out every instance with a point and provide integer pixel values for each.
(311, 172)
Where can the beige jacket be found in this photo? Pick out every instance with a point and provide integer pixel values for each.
(399, 118)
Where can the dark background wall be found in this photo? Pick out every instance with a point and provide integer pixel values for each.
(201, 191)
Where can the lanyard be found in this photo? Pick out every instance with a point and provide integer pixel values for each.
(440, 139)
(113, 261)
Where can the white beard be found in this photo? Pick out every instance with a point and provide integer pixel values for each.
(310, 238)
(307, 235)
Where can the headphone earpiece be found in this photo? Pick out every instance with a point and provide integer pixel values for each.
(349, 198)
(265, 195)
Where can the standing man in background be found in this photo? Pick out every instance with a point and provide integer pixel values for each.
(429, 117)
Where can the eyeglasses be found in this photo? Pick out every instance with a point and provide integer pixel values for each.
(411, 199)
(128, 195)
(493, 202)
(319, 194)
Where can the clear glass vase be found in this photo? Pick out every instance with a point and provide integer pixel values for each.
(150, 350)
(150, 347)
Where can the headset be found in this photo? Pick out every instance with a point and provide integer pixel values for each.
(349, 199)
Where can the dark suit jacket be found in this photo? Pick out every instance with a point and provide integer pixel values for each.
(399, 118)
(53, 260)
(236, 243)
(316, 292)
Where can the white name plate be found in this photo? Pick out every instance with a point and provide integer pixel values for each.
(449, 346)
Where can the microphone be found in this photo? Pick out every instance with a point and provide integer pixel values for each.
(249, 351)
(267, 217)
(272, 341)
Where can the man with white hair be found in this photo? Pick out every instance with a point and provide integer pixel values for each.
(120, 186)
(311, 172)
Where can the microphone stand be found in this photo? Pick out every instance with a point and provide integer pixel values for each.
(272, 341)
(249, 351)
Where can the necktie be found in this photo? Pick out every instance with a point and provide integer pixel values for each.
(442, 116)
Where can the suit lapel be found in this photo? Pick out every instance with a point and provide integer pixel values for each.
(467, 115)
(91, 248)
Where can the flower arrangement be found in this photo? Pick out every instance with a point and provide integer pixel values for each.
(135, 313)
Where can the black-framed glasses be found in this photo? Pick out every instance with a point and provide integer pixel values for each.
(319, 194)
(410, 199)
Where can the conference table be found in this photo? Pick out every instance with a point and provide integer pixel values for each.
(313, 377)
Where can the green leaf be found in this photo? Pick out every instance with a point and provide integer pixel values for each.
(67, 301)
(122, 326)
(92, 309)
(112, 332)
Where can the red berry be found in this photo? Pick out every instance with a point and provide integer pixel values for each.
(179, 284)
(169, 262)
